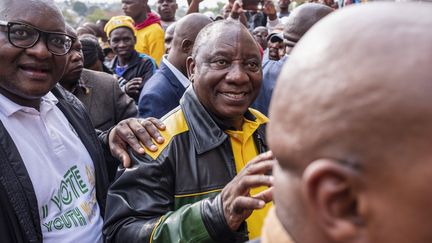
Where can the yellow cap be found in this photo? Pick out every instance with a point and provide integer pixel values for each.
(117, 22)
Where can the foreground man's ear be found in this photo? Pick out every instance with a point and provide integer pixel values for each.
(330, 189)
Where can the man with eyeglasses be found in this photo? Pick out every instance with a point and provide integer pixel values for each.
(53, 178)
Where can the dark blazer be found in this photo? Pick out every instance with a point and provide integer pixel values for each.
(160, 94)
(103, 99)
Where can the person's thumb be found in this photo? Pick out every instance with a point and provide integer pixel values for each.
(125, 160)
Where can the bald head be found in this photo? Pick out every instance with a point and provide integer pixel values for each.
(352, 127)
(302, 19)
(185, 33)
(336, 98)
(189, 26)
(41, 7)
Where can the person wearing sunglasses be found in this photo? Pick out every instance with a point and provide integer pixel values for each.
(53, 175)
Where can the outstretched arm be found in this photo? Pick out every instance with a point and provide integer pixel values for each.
(193, 6)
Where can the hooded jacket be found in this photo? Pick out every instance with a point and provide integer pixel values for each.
(141, 66)
(150, 37)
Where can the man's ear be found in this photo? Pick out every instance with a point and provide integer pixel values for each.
(186, 46)
(330, 192)
(190, 66)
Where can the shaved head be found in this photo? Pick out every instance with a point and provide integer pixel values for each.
(185, 33)
(29, 6)
(365, 73)
(351, 127)
(189, 26)
(302, 19)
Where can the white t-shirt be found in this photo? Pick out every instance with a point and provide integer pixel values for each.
(60, 168)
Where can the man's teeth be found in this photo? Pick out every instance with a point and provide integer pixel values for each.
(235, 96)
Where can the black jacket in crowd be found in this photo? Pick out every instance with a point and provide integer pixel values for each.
(141, 66)
(19, 216)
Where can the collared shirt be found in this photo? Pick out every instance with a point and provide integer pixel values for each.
(244, 150)
(60, 169)
(179, 75)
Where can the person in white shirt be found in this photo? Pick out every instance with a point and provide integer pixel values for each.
(53, 174)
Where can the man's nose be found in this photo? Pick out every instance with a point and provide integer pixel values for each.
(122, 43)
(76, 56)
(237, 73)
(40, 49)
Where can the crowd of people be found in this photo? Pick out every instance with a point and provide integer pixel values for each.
(274, 121)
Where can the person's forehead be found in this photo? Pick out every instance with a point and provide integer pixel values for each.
(228, 42)
(31, 14)
(121, 31)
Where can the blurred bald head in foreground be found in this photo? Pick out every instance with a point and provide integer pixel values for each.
(351, 128)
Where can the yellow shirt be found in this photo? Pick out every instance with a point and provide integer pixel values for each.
(244, 150)
(150, 41)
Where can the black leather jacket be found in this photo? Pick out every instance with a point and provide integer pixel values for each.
(173, 195)
(19, 214)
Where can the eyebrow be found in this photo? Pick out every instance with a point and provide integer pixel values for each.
(22, 21)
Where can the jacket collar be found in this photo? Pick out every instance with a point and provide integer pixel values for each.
(151, 19)
(134, 60)
(206, 134)
(207, 130)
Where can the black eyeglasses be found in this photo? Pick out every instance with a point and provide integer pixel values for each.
(25, 36)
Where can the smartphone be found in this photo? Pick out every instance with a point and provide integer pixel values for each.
(255, 5)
